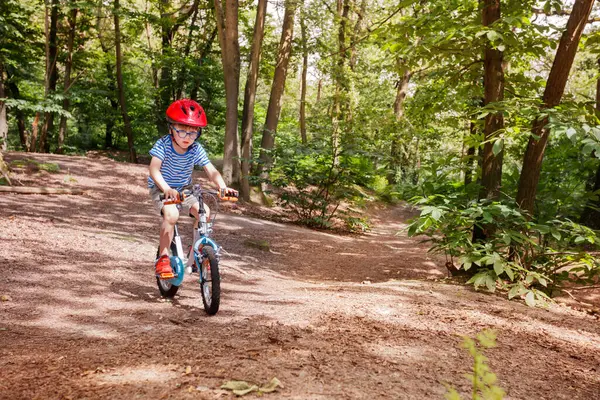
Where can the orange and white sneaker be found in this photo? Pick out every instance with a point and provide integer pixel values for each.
(163, 268)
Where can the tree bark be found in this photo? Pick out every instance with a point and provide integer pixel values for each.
(3, 119)
(188, 46)
(555, 86)
(591, 213)
(493, 86)
(250, 96)
(303, 81)
(402, 90)
(16, 94)
(227, 29)
(274, 109)
(51, 73)
(34, 132)
(120, 88)
(62, 132)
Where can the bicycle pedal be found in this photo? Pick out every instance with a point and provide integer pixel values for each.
(166, 276)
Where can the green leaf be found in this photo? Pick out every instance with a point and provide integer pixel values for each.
(493, 35)
(510, 273)
(556, 234)
(571, 132)
(530, 299)
(543, 282)
(499, 267)
(498, 146)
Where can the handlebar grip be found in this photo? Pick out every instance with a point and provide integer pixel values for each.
(232, 198)
(180, 197)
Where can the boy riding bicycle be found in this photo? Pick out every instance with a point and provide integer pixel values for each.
(171, 167)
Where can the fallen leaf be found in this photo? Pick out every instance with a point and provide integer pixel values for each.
(239, 388)
(188, 370)
(5, 297)
(271, 386)
(246, 391)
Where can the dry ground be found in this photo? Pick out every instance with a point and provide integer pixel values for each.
(332, 317)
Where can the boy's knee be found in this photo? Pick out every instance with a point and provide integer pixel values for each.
(170, 215)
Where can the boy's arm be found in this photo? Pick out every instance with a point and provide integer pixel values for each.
(158, 179)
(214, 176)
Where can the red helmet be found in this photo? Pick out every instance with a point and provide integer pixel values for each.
(186, 112)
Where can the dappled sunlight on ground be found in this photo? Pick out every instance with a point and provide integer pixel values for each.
(353, 316)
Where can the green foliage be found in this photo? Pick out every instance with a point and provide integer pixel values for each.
(317, 189)
(483, 380)
(524, 257)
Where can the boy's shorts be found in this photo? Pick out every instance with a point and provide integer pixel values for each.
(158, 204)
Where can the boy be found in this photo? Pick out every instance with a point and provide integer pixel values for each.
(173, 160)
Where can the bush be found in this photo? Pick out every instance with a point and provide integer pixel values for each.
(524, 257)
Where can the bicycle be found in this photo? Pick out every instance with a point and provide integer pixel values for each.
(202, 257)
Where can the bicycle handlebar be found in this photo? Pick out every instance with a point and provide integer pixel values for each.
(181, 195)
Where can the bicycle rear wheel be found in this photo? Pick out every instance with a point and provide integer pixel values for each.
(166, 287)
(210, 280)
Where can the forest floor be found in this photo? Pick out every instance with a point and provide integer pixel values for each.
(331, 316)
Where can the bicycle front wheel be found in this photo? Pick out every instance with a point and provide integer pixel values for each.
(210, 280)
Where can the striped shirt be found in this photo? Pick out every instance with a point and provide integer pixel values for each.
(176, 168)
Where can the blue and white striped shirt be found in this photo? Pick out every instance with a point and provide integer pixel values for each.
(177, 168)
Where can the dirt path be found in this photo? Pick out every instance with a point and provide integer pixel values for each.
(332, 317)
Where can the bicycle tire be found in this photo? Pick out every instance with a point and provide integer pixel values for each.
(210, 289)
(166, 288)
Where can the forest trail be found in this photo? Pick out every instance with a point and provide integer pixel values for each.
(332, 317)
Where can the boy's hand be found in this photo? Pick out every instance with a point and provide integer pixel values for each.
(226, 192)
(171, 194)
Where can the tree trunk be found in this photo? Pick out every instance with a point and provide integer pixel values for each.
(16, 94)
(120, 88)
(358, 30)
(51, 73)
(591, 214)
(319, 88)
(303, 82)
(3, 120)
(401, 92)
(227, 29)
(34, 132)
(470, 156)
(250, 96)
(493, 86)
(274, 109)
(341, 82)
(188, 46)
(62, 132)
(164, 83)
(555, 87)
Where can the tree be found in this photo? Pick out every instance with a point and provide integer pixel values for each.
(227, 29)
(3, 121)
(120, 88)
(555, 86)
(51, 72)
(303, 40)
(493, 85)
(591, 214)
(277, 88)
(250, 96)
(62, 132)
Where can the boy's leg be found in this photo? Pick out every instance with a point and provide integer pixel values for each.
(163, 264)
(167, 228)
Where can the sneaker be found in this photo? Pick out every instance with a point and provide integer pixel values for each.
(163, 268)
